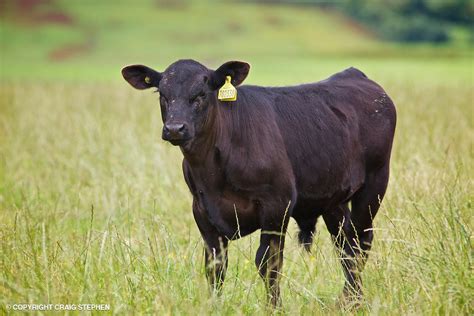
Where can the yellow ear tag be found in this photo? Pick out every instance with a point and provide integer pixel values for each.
(227, 92)
(147, 79)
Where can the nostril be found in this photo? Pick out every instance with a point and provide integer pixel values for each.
(174, 128)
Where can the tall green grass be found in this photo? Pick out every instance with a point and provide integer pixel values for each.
(94, 209)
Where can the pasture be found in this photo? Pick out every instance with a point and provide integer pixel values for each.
(94, 208)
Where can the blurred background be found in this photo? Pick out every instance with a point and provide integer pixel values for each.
(92, 40)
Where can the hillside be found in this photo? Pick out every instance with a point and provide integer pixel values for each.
(84, 40)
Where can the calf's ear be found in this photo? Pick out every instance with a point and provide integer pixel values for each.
(237, 70)
(141, 77)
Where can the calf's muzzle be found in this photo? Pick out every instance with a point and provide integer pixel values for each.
(175, 132)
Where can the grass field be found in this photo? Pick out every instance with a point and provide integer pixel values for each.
(94, 209)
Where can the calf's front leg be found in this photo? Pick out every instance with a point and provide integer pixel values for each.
(215, 253)
(215, 250)
(269, 258)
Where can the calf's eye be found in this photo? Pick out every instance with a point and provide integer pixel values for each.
(196, 101)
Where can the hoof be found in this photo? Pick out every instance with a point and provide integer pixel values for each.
(350, 299)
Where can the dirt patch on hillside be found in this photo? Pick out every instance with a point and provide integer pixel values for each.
(66, 52)
(37, 13)
(34, 12)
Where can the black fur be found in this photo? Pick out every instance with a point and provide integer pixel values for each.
(278, 152)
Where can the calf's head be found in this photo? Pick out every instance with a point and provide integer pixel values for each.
(188, 92)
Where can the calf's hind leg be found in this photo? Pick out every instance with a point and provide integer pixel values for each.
(352, 230)
(338, 223)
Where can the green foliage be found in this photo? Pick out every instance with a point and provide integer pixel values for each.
(405, 20)
(411, 20)
(461, 11)
(413, 29)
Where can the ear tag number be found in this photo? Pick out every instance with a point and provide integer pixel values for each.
(147, 79)
(227, 92)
